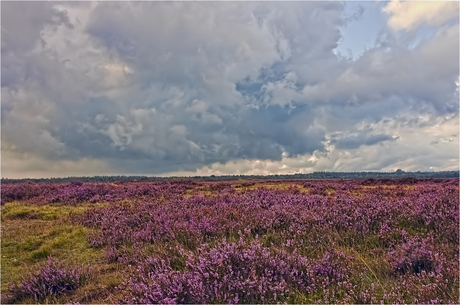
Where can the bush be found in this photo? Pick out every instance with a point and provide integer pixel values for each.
(415, 255)
(50, 281)
(232, 273)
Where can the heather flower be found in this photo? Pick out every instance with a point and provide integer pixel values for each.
(415, 255)
(231, 273)
(49, 281)
(289, 240)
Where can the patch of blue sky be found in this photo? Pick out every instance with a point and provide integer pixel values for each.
(361, 33)
(252, 87)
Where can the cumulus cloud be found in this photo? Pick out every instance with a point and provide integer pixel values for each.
(200, 87)
(408, 15)
(411, 152)
(22, 23)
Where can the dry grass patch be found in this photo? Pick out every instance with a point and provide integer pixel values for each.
(29, 234)
(269, 186)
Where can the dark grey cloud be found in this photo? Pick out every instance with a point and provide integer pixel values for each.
(353, 142)
(153, 87)
(23, 21)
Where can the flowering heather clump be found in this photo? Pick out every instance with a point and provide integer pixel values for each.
(50, 281)
(232, 273)
(22, 191)
(77, 192)
(415, 255)
(113, 255)
(423, 288)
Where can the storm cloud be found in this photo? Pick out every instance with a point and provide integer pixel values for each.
(159, 88)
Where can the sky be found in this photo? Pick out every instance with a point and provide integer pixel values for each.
(228, 88)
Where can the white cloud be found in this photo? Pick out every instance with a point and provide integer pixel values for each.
(198, 109)
(408, 15)
(282, 92)
(412, 152)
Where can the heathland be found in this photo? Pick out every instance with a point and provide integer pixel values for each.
(252, 241)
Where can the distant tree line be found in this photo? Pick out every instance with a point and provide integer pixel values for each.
(316, 175)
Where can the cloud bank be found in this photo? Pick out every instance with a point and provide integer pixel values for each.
(161, 88)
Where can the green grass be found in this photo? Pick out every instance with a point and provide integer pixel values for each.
(18, 210)
(31, 233)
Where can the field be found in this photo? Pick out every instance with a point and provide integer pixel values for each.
(299, 241)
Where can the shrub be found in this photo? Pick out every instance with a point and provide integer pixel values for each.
(49, 281)
(415, 255)
(232, 273)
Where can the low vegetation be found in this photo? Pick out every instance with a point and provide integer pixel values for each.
(310, 241)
